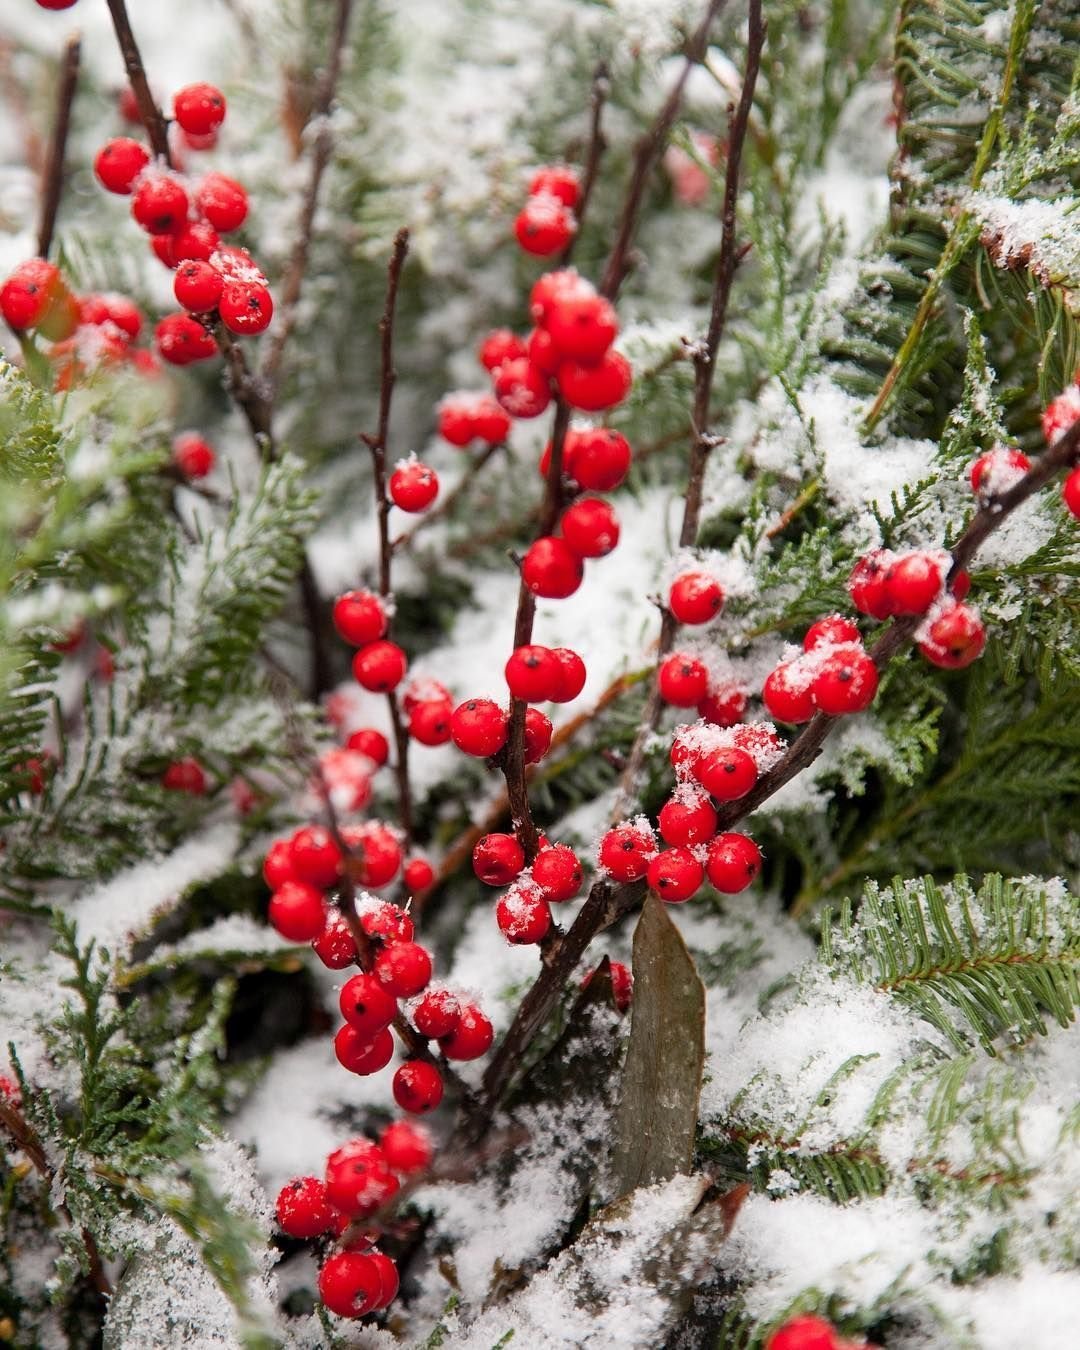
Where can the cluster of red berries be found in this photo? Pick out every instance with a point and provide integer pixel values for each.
(361, 619)
(547, 223)
(360, 1177)
(810, 1332)
(833, 674)
(523, 912)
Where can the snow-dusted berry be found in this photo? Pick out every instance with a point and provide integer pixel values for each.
(830, 630)
(582, 327)
(159, 203)
(998, 470)
(732, 862)
(845, 682)
(471, 1038)
(182, 340)
(413, 486)
(544, 225)
(335, 946)
(385, 921)
(626, 851)
(303, 1208)
(1061, 414)
(954, 639)
(501, 346)
(913, 582)
(557, 180)
(197, 286)
(523, 915)
(223, 201)
(557, 871)
(417, 1087)
(553, 287)
(368, 741)
(520, 389)
(437, 1013)
(246, 308)
(497, 859)
(867, 586)
(119, 162)
(675, 874)
(360, 617)
(366, 1005)
(726, 773)
(695, 597)
(350, 1284)
(358, 1178)
(363, 1054)
(687, 819)
(787, 693)
(723, 705)
(406, 1146)
(403, 968)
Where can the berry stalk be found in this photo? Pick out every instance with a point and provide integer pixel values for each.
(53, 177)
(149, 112)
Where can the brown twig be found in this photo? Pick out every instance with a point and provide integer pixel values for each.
(54, 165)
(704, 358)
(452, 498)
(377, 445)
(601, 87)
(320, 158)
(149, 112)
(648, 152)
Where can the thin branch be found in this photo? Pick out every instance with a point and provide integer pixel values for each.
(320, 158)
(149, 112)
(648, 152)
(704, 357)
(377, 445)
(601, 87)
(451, 499)
(54, 165)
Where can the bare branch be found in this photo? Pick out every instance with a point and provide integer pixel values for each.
(54, 166)
(149, 112)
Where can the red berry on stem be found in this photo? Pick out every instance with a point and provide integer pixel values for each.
(538, 731)
(437, 1013)
(350, 1284)
(626, 851)
(245, 308)
(407, 1147)
(534, 674)
(551, 568)
(544, 225)
(223, 202)
(1061, 414)
(553, 286)
(600, 458)
(472, 1037)
(159, 203)
(622, 984)
(199, 108)
(303, 1208)
(28, 293)
(119, 162)
(360, 617)
(687, 819)
(723, 705)
(914, 582)
(366, 1005)
(413, 486)
(500, 346)
(376, 853)
(590, 527)
(363, 1054)
(998, 470)
(866, 585)
(523, 915)
(316, 858)
(695, 597)
(582, 327)
(193, 456)
(418, 875)
(827, 632)
(368, 741)
(430, 722)
(199, 240)
(182, 340)
(954, 639)
(497, 859)
(380, 919)
(1070, 493)
(726, 773)
(593, 388)
(787, 693)
(557, 871)
(846, 682)
(520, 389)
(404, 968)
(732, 863)
(278, 865)
(335, 946)
(557, 180)
(185, 775)
(197, 286)
(380, 666)
(545, 356)
(297, 911)
(572, 674)
(683, 680)
(358, 1178)
(807, 1332)
(418, 1087)
(675, 874)
(389, 1283)
(479, 727)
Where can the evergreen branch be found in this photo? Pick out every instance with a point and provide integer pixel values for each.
(377, 445)
(704, 357)
(320, 158)
(54, 164)
(149, 112)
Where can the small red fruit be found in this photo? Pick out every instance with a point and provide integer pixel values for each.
(557, 871)
(829, 631)
(538, 731)
(723, 705)
(554, 286)
(590, 527)
(845, 683)
(197, 286)
(388, 1278)
(687, 819)
(316, 859)
(297, 911)
(683, 680)
(572, 674)
(955, 638)
(182, 340)
(376, 853)
(622, 984)
(726, 773)
(404, 968)
(551, 568)
(1061, 414)
(597, 458)
(732, 863)
(222, 201)
(807, 1332)
(198, 240)
(542, 352)
(675, 874)
(368, 741)
(497, 859)
(407, 1147)
(430, 722)
(303, 1208)
(437, 1013)
(380, 919)
(418, 1087)
(544, 225)
(245, 308)
(366, 1005)
(277, 865)
(866, 585)
(159, 204)
(472, 1038)
(360, 617)
(363, 1054)
(499, 347)
(380, 666)
(787, 693)
(626, 851)
(914, 581)
(556, 180)
(119, 162)
(199, 108)
(185, 775)
(582, 327)
(1070, 495)
(358, 1178)
(533, 674)
(479, 727)
(193, 456)
(695, 597)
(413, 486)
(520, 389)
(350, 1284)
(523, 915)
(418, 875)
(595, 387)
(998, 470)
(335, 946)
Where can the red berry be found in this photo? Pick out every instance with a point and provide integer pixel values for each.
(499, 347)
(366, 1005)
(954, 639)
(866, 585)
(389, 1283)
(807, 1332)
(430, 722)
(182, 340)
(497, 859)
(723, 705)
(29, 292)
(404, 968)
(544, 225)
(316, 859)
(534, 674)
(846, 682)
(277, 865)
(553, 286)
(193, 456)
(358, 1178)
(732, 863)
(368, 741)
(914, 582)
(538, 731)
(463, 417)
(1070, 495)
(199, 241)
(437, 1013)
(407, 1147)
(380, 919)
(622, 984)
(572, 674)
(418, 1087)
(582, 327)
(297, 911)
(379, 667)
(245, 308)
(360, 617)
(726, 773)
(1061, 414)
(376, 853)
(472, 1038)
(303, 1209)
(119, 162)
(542, 352)
(600, 458)
(827, 632)
(551, 568)
(350, 1284)
(591, 527)
(556, 180)
(523, 915)
(683, 680)
(413, 486)
(55, 4)
(159, 204)
(335, 946)
(423, 689)
(960, 584)
(557, 872)
(687, 819)
(418, 875)
(361, 1053)
(199, 108)
(344, 779)
(998, 470)
(185, 775)
(787, 692)
(675, 874)
(479, 727)
(695, 597)
(626, 851)
(520, 389)
(223, 202)
(595, 387)
(197, 286)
